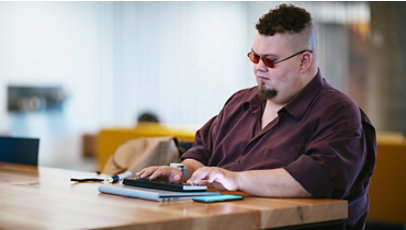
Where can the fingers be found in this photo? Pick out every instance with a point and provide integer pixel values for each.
(163, 172)
(146, 172)
(215, 177)
(176, 177)
(160, 172)
(206, 173)
(198, 176)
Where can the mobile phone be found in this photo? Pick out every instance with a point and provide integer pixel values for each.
(216, 198)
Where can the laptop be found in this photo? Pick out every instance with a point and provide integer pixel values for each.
(150, 194)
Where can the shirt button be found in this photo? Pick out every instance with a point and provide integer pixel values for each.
(238, 163)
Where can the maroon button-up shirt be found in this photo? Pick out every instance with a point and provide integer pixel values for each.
(321, 138)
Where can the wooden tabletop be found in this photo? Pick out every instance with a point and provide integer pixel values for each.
(44, 198)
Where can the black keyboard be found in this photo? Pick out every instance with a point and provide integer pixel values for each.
(165, 185)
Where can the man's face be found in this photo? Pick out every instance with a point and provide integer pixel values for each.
(281, 83)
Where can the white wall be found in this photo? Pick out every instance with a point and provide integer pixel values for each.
(181, 60)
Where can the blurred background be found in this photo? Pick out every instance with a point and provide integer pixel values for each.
(71, 69)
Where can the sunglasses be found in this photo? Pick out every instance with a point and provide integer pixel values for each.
(271, 63)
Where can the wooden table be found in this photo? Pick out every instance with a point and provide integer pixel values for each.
(44, 198)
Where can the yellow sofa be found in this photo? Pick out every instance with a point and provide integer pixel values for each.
(110, 138)
(388, 183)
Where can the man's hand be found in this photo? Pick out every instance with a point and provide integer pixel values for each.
(216, 177)
(169, 173)
(161, 172)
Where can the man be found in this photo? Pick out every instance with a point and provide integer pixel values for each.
(293, 135)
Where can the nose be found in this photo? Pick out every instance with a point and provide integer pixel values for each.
(261, 66)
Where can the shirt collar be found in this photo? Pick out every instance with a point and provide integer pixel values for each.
(297, 107)
(253, 102)
(299, 104)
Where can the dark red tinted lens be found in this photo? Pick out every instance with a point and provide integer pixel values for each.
(268, 62)
(254, 58)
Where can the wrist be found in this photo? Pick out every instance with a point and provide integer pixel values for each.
(238, 180)
(180, 167)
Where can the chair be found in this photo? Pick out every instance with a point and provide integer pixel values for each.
(19, 150)
(388, 188)
(110, 139)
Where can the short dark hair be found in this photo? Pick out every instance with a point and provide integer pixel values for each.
(285, 18)
(148, 117)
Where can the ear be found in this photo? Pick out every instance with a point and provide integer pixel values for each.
(306, 61)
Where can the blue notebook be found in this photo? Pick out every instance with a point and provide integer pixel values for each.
(150, 194)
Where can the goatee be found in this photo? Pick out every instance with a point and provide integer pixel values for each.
(265, 93)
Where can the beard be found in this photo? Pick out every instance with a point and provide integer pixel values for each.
(266, 93)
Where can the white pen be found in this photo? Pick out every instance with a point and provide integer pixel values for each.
(119, 177)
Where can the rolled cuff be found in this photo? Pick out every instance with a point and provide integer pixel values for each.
(311, 176)
(194, 154)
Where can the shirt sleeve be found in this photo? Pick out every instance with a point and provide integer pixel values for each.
(205, 136)
(203, 143)
(335, 154)
(202, 148)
